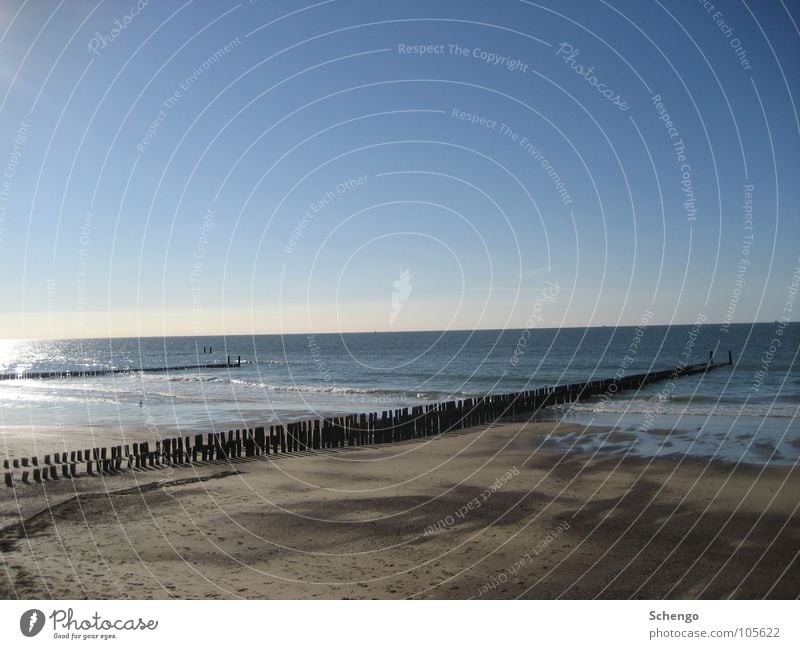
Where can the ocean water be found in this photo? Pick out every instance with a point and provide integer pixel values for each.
(745, 412)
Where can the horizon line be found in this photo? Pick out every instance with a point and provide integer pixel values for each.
(402, 331)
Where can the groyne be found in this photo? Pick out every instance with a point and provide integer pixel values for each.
(362, 429)
(84, 373)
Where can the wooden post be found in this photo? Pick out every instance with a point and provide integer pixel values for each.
(247, 441)
(208, 447)
(323, 435)
(304, 429)
(214, 446)
(380, 429)
(730, 357)
(260, 446)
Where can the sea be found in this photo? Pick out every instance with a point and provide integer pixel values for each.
(746, 412)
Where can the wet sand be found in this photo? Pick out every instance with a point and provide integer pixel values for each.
(485, 513)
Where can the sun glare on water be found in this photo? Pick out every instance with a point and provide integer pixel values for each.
(13, 355)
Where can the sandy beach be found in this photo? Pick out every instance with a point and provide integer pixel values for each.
(484, 513)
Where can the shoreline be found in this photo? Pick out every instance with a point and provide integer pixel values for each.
(307, 526)
(746, 439)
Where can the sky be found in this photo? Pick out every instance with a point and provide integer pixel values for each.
(200, 167)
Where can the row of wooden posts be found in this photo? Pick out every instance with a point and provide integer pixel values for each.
(329, 433)
(82, 373)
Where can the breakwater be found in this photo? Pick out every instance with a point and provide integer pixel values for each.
(362, 429)
(84, 373)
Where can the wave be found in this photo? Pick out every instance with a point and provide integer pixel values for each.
(192, 378)
(397, 394)
(683, 398)
(327, 388)
(389, 394)
(705, 406)
(206, 386)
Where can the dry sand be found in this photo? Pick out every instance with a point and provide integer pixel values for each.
(351, 523)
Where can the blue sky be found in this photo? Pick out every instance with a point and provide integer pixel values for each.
(161, 171)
